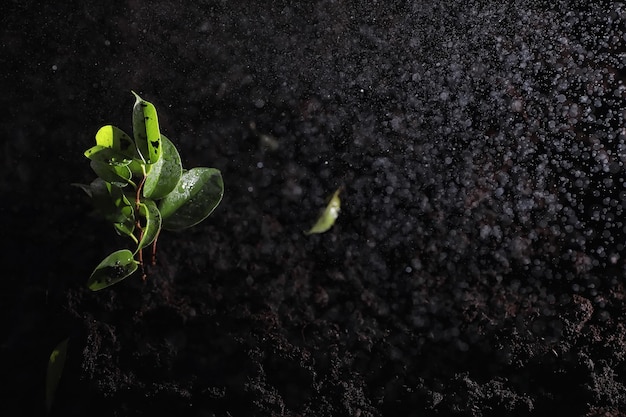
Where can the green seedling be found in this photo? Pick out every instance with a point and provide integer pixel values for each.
(142, 188)
(328, 216)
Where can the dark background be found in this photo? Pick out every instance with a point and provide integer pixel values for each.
(477, 265)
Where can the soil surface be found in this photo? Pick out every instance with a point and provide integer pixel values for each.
(476, 268)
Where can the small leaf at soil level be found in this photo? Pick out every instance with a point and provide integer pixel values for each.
(329, 215)
(165, 173)
(146, 130)
(55, 369)
(195, 197)
(112, 269)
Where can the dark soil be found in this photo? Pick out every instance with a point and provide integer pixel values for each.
(477, 266)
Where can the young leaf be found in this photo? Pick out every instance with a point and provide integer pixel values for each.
(124, 220)
(126, 225)
(146, 130)
(148, 209)
(55, 370)
(113, 205)
(112, 269)
(329, 215)
(165, 173)
(102, 200)
(195, 197)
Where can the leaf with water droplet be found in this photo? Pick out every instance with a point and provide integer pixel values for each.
(112, 137)
(107, 155)
(146, 130)
(195, 197)
(114, 268)
(165, 173)
(119, 175)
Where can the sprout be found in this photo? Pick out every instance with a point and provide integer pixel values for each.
(142, 188)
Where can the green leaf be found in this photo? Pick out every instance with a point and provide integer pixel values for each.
(107, 155)
(119, 175)
(115, 138)
(114, 268)
(148, 209)
(146, 130)
(329, 215)
(102, 200)
(124, 217)
(56, 363)
(113, 205)
(165, 173)
(126, 226)
(195, 197)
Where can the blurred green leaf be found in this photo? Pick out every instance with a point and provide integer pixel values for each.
(328, 216)
(56, 363)
(85, 187)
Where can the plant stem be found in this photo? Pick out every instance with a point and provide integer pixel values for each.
(138, 223)
(154, 244)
